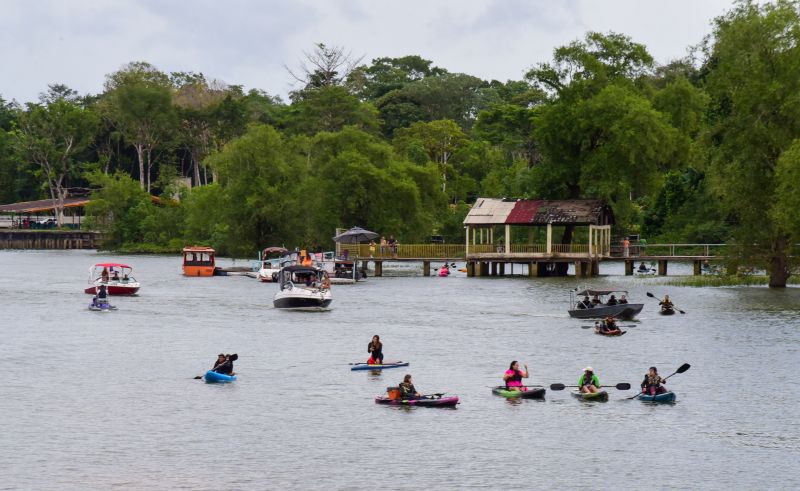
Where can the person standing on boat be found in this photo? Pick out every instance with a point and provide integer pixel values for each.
(375, 349)
(513, 377)
(652, 382)
(407, 389)
(589, 383)
(104, 275)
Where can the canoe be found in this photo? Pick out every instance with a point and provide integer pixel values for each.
(214, 377)
(531, 393)
(666, 311)
(668, 396)
(597, 396)
(604, 333)
(426, 401)
(384, 366)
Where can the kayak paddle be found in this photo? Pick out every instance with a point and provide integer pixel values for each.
(680, 369)
(673, 305)
(619, 386)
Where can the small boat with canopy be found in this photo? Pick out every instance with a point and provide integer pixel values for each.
(198, 261)
(603, 309)
(303, 288)
(116, 277)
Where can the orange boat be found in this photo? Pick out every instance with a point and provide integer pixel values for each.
(198, 261)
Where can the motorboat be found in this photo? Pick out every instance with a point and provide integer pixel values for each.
(602, 309)
(198, 261)
(302, 288)
(270, 265)
(116, 277)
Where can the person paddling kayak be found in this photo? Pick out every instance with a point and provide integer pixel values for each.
(407, 389)
(609, 325)
(666, 304)
(224, 364)
(652, 382)
(589, 383)
(513, 377)
(375, 349)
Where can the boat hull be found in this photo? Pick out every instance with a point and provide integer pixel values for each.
(115, 289)
(212, 377)
(601, 396)
(198, 271)
(432, 402)
(663, 397)
(531, 393)
(622, 311)
(301, 303)
(366, 366)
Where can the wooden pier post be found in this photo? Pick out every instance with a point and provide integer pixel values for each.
(426, 268)
(502, 269)
(628, 267)
(378, 268)
(698, 267)
(662, 267)
(493, 269)
(533, 269)
(470, 269)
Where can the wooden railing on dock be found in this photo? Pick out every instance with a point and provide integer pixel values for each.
(49, 239)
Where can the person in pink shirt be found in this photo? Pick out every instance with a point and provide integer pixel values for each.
(513, 377)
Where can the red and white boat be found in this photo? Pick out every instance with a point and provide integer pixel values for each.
(117, 278)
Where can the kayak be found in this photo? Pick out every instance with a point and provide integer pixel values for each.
(604, 333)
(666, 311)
(588, 396)
(214, 377)
(663, 397)
(444, 272)
(533, 393)
(367, 366)
(426, 401)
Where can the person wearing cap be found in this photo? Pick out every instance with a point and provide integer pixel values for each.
(612, 300)
(588, 381)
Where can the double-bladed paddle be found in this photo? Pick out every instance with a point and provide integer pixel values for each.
(619, 386)
(673, 305)
(680, 369)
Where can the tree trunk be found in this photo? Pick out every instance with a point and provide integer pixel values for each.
(779, 263)
(196, 164)
(140, 156)
(149, 167)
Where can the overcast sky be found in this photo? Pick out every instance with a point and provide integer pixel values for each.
(247, 42)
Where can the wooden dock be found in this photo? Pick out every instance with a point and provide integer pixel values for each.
(49, 239)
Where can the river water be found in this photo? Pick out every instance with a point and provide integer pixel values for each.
(108, 400)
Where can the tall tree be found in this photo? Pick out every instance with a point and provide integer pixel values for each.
(52, 134)
(752, 63)
(439, 140)
(139, 101)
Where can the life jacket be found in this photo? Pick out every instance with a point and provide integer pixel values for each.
(515, 380)
(652, 381)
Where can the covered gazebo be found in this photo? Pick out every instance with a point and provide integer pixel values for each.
(491, 216)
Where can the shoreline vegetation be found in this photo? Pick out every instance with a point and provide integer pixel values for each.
(722, 280)
(403, 147)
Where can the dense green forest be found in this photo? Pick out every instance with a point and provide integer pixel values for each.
(704, 149)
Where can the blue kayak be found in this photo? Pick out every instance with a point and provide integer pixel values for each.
(665, 397)
(214, 377)
(367, 366)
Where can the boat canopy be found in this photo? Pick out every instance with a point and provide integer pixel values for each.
(591, 292)
(199, 249)
(111, 265)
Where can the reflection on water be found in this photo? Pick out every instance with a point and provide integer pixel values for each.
(108, 400)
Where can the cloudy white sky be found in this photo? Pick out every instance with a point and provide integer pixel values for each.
(247, 42)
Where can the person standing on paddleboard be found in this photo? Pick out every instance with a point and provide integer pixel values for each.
(513, 377)
(375, 349)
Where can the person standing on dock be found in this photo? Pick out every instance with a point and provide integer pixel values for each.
(626, 247)
(383, 246)
(371, 249)
(393, 246)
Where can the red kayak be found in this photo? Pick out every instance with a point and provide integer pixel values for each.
(427, 401)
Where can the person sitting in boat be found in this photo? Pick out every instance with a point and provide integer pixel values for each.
(125, 278)
(226, 367)
(375, 349)
(307, 260)
(407, 389)
(652, 382)
(513, 377)
(326, 281)
(623, 299)
(585, 303)
(609, 325)
(115, 276)
(589, 383)
(220, 360)
(104, 275)
(643, 268)
(666, 304)
(612, 300)
(101, 296)
(596, 300)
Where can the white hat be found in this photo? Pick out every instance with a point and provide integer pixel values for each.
(588, 369)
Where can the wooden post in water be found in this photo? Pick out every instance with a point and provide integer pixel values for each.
(502, 269)
(698, 267)
(662, 267)
(426, 268)
(470, 269)
(533, 269)
(378, 268)
(628, 267)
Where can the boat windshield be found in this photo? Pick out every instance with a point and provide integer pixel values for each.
(198, 259)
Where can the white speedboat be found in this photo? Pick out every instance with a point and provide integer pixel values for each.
(116, 277)
(302, 288)
(270, 266)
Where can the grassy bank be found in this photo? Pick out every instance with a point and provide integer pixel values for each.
(724, 280)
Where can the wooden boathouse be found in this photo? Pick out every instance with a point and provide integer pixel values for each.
(508, 232)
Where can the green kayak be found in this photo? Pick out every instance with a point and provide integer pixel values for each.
(531, 393)
(588, 396)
